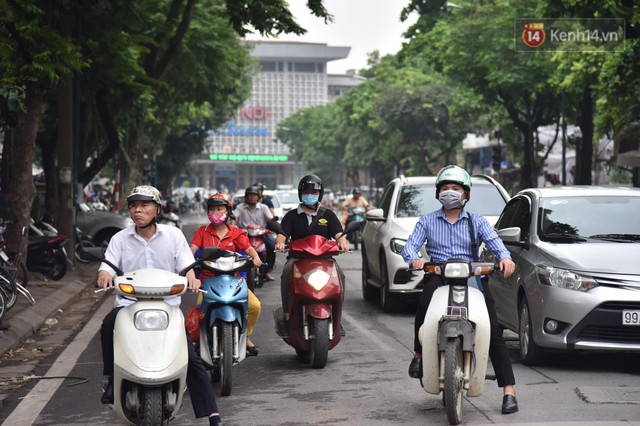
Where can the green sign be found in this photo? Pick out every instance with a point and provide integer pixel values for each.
(249, 158)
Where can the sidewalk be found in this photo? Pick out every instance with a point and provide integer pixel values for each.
(24, 320)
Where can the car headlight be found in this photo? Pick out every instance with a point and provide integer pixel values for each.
(397, 245)
(563, 278)
(151, 320)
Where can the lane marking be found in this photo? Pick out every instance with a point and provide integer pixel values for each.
(372, 336)
(34, 402)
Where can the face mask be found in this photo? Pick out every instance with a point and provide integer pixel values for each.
(217, 218)
(309, 200)
(451, 199)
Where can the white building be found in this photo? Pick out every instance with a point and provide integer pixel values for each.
(292, 76)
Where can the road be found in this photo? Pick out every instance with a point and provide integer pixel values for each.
(365, 381)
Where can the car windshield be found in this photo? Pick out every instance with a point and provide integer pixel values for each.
(601, 217)
(416, 200)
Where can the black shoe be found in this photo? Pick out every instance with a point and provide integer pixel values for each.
(509, 404)
(252, 350)
(215, 420)
(415, 368)
(107, 396)
(342, 332)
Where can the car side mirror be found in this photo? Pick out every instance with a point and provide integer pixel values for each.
(375, 215)
(510, 235)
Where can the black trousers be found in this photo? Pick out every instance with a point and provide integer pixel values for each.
(201, 393)
(270, 244)
(498, 352)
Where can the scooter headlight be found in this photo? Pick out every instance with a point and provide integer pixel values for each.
(151, 320)
(456, 270)
(316, 278)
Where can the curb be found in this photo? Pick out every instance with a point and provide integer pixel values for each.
(24, 319)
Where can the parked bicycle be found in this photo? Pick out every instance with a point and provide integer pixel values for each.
(13, 272)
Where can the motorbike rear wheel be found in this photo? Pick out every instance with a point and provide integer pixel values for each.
(356, 239)
(226, 358)
(58, 269)
(319, 344)
(453, 378)
(152, 409)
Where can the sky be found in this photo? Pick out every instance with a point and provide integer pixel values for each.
(364, 25)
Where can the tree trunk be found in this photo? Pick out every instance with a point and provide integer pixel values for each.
(22, 189)
(584, 145)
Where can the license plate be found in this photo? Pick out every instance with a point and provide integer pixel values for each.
(4, 256)
(630, 317)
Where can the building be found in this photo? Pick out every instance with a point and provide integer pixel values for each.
(244, 150)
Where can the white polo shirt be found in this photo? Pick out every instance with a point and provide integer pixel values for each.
(167, 249)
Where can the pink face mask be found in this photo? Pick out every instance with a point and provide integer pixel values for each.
(217, 218)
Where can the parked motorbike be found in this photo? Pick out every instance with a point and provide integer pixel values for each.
(45, 227)
(172, 219)
(455, 335)
(46, 254)
(224, 307)
(356, 214)
(315, 301)
(256, 234)
(150, 344)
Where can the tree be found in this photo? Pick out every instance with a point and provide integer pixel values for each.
(473, 45)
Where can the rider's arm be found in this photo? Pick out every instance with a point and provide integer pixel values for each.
(415, 241)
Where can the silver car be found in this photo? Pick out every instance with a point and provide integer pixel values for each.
(577, 279)
(403, 201)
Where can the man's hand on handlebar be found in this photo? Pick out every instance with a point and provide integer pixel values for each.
(418, 263)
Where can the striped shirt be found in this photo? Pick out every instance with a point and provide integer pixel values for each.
(446, 240)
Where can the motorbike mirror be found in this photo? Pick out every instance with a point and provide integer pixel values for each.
(274, 227)
(97, 254)
(275, 219)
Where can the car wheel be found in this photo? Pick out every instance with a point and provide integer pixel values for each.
(386, 297)
(530, 353)
(103, 238)
(369, 292)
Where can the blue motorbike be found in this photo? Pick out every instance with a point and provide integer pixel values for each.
(356, 214)
(223, 327)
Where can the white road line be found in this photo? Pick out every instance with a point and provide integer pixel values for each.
(372, 336)
(29, 409)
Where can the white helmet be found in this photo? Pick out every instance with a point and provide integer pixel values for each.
(145, 193)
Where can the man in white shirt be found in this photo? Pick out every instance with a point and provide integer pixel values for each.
(148, 244)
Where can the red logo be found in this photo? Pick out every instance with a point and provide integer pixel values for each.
(533, 34)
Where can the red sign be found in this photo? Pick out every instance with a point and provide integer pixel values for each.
(257, 112)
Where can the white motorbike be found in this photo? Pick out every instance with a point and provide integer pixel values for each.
(456, 334)
(150, 345)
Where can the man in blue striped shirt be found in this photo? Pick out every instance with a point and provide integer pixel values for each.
(447, 233)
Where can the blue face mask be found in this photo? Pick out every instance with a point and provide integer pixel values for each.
(309, 199)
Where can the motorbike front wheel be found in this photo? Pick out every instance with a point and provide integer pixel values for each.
(319, 344)
(152, 410)
(226, 358)
(453, 378)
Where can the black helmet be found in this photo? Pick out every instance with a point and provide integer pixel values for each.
(355, 191)
(310, 182)
(260, 185)
(251, 190)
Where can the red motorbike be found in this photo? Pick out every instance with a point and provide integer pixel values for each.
(256, 276)
(315, 301)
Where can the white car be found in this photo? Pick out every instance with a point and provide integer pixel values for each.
(288, 200)
(387, 229)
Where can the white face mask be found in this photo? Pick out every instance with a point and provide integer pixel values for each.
(451, 199)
